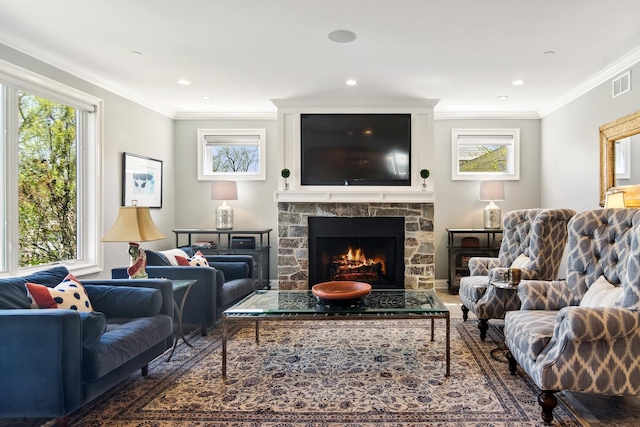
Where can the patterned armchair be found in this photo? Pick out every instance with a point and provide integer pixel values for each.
(536, 238)
(566, 337)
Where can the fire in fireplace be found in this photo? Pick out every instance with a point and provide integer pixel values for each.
(362, 249)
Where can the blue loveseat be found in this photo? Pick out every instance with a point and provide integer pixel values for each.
(54, 361)
(227, 280)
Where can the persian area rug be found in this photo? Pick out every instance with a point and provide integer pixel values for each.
(328, 373)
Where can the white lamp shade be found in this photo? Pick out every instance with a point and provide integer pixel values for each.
(491, 190)
(133, 224)
(614, 199)
(224, 190)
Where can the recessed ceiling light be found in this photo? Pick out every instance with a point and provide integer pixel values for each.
(352, 82)
(517, 82)
(136, 52)
(549, 52)
(502, 97)
(184, 82)
(342, 36)
(206, 98)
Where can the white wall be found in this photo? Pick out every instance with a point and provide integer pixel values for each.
(458, 203)
(127, 127)
(570, 162)
(254, 208)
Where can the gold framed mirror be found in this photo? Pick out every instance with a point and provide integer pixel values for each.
(610, 133)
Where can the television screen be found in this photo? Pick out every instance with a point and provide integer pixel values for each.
(355, 149)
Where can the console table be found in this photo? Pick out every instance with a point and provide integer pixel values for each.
(222, 245)
(488, 246)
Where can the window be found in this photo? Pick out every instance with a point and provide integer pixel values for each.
(237, 154)
(50, 193)
(479, 154)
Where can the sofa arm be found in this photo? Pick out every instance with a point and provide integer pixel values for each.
(544, 295)
(233, 258)
(163, 285)
(480, 266)
(593, 324)
(41, 362)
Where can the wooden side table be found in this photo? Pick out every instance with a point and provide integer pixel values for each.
(178, 285)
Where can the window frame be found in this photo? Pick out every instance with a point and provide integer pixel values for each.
(89, 135)
(203, 164)
(507, 137)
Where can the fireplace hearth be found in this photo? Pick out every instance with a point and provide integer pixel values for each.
(293, 239)
(360, 249)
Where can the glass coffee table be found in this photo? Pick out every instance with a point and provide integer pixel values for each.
(280, 305)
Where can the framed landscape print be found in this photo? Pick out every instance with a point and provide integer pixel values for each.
(141, 181)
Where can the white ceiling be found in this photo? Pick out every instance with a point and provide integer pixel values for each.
(242, 53)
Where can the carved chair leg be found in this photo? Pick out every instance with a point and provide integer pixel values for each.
(145, 370)
(483, 325)
(62, 421)
(465, 312)
(513, 365)
(548, 402)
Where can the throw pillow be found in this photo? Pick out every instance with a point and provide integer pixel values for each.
(601, 293)
(155, 259)
(171, 254)
(521, 262)
(69, 294)
(198, 260)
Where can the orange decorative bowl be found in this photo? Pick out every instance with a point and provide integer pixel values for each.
(341, 290)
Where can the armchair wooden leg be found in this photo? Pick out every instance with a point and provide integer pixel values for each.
(548, 402)
(62, 421)
(145, 370)
(465, 312)
(483, 325)
(513, 365)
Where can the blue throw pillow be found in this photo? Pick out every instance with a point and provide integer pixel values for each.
(125, 301)
(155, 259)
(94, 324)
(232, 269)
(12, 290)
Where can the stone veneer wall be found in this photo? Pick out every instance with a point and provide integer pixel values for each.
(293, 228)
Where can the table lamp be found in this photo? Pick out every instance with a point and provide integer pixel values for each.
(492, 191)
(134, 224)
(224, 190)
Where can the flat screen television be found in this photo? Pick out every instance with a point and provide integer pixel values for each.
(355, 149)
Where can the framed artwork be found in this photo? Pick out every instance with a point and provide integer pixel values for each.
(141, 181)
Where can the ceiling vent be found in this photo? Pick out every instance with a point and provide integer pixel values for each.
(621, 84)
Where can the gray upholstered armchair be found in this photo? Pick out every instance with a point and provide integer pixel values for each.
(533, 240)
(583, 333)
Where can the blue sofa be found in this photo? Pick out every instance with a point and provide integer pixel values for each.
(54, 361)
(227, 280)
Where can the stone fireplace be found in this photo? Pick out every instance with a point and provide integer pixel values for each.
(417, 246)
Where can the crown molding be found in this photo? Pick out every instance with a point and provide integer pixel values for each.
(485, 115)
(48, 58)
(226, 116)
(608, 73)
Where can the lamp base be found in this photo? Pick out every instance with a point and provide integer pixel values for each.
(492, 216)
(224, 217)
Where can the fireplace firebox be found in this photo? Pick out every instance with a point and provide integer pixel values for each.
(362, 249)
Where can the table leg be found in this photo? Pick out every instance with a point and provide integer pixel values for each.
(224, 346)
(257, 333)
(432, 333)
(178, 310)
(448, 346)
